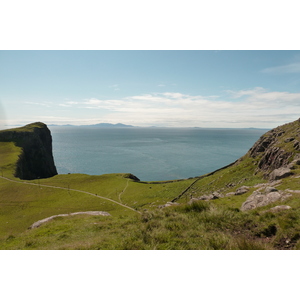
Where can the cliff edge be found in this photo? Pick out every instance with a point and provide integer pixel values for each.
(279, 148)
(36, 158)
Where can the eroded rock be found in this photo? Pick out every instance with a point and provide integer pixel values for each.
(259, 199)
(280, 173)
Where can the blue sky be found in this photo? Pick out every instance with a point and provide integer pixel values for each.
(144, 88)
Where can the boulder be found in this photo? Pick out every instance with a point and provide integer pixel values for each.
(279, 208)
(270, 189)
(290, 139)
(280, 173)
(258, 199)
(168, 204)
(297, 145)
(230, 194)
(216, 195)
(294, 163)
(204, 197)
(241, 190)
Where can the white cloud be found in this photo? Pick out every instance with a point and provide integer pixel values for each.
(241, 93)
(68, 104)
(244, 108)
(255, 107)
(290, 68)
(115, 87)
(46, 104)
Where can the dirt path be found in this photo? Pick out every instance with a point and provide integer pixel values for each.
(68, 189)
(123, 191)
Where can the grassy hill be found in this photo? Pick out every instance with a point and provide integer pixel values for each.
(156, 215)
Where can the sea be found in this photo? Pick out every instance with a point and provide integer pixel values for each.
(151, 154)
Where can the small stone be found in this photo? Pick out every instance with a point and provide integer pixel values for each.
(230, 194)
(242, 190)
(289, 139)
(279, 208)
(270, 189)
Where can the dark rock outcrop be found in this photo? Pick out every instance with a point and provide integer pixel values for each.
(36, 159)
(276, 148)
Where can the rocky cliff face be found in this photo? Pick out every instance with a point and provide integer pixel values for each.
(36, 159)
(277, 148)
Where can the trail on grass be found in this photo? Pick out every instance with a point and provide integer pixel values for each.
(74, 190)
(123, 191)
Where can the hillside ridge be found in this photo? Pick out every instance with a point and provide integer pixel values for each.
(253, 203)
(36, 158)
(276, 149)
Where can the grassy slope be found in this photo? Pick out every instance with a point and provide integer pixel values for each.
(9, 154)
(215, 225)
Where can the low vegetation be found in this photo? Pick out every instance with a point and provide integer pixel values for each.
(138, 218)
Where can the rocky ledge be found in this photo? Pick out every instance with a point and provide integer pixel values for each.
(277, 149)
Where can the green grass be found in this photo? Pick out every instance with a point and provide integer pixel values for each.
(217, 224)
(226, 180)
(27, 128)
(202, 226)
(21, 204)
(9, 154)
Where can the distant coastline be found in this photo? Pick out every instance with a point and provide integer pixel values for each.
(121, 125)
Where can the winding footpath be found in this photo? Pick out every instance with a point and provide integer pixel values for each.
(123, 191)
(68, 189)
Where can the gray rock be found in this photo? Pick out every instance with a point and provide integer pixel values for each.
(242, 190)
(297, 145)
(93, 213)
(279, 208)
(260, 185)
(289, 139)
(280, 173)
(294, 163)
(230, 194)
(216, 195)
(193, 200)
(258, 199)
(275, 183)
(204, 197)
(168, 204)
(270, 189)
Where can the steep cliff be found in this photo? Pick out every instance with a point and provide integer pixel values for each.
(277, 148)
(36, 159)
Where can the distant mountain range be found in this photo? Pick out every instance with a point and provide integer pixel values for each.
(118, 125)
(111, 125)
